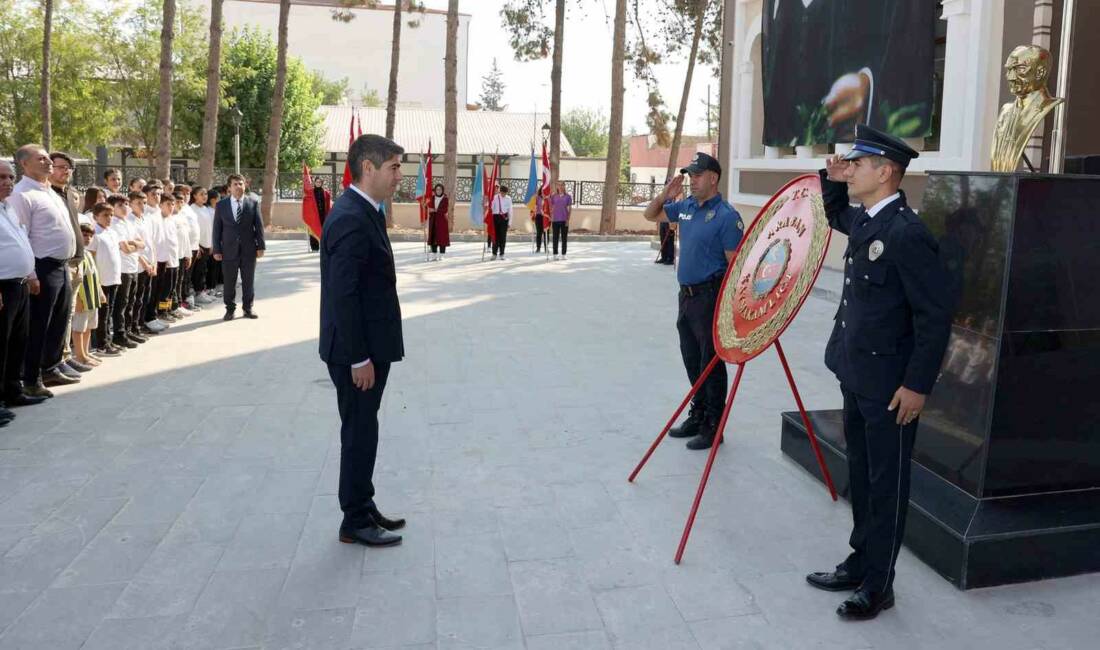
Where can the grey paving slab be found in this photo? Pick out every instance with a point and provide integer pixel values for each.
(200, 511)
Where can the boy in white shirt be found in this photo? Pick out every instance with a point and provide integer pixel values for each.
(502, 216)
(130, 269)
(167, 258)
(108, 250)
(183, 252)
(147, 259)
(188, 211)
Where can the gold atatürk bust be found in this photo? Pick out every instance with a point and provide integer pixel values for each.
(1026, 71)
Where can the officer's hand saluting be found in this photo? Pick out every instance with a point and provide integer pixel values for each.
(836, 167)
(674, 187)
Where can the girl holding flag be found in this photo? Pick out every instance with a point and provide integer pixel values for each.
(439, 237)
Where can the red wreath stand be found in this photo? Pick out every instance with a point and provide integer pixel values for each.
(768, 261)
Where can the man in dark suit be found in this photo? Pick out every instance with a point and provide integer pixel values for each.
(361, 328)
(238, 241)
(886, 348)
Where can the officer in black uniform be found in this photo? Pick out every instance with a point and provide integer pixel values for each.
(710, 230)
(886, 349)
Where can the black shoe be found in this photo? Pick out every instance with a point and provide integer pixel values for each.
(839, 580)
(24, 399)
(384, 521)
(705, 438)
(111, 347)
(865, 604)
(248, 313)
(107, 352)
(229, 313)
(136, 338)
(124, 343)
(5, 416)
(35, 391)
(690, 428)
(56, 378)
(67, 370)
(370, 535)
(146, 331)
(77, 366)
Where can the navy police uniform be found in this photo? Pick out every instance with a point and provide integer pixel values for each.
(891, 330)
(707, 231)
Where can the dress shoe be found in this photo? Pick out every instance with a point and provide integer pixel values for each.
(5, 416)
(56, 378)
(77, 366)
(124, 343)
(705, 438)
(690, 428)
(107, 352)
(136, 338)
(369, 535)
(67, 370)
(865, 604)
(23, 399)
(35, 391)
(228, 315)
(384, 521)
(248, 313)
(839, 580)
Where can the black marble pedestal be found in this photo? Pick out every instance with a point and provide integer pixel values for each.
(1006, 468)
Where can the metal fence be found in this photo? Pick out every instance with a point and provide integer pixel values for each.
(288, 185)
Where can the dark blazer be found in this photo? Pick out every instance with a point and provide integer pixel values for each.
(235, 240)
(894, 318)
(360, 313)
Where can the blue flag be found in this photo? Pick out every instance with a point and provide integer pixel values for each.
(477, 196)
(532, 184)
(420, 181)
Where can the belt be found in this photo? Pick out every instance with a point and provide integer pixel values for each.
(692, 290)
(17, 282)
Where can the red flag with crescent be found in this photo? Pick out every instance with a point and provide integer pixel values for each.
(311, 216)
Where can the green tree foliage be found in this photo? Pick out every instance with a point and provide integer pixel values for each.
(105, 66)
(78, 89)
(492, 89)
(248, 75)
(586, 130)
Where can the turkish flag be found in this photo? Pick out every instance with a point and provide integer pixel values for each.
(311, 217)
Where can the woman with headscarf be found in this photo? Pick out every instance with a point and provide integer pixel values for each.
(439, 236)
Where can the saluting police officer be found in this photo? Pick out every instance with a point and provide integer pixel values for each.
(886, 349)
(710, 230)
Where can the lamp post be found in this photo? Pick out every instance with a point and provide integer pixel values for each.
(235, 116)
(545, 132)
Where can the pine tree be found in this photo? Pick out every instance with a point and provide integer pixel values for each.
(492, 89)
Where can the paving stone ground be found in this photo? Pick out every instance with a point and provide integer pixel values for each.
(184, 496)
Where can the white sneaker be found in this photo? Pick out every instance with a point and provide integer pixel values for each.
(164, 324)
(156, 325)
(204, 298)
(555, 258)
(182, 311)
(494, 257)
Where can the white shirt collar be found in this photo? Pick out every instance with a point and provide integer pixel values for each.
(876, 208)
(363, 194)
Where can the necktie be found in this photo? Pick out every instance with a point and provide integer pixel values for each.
(237, 214)
(864, 219)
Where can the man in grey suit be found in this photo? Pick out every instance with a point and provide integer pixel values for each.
(238, 241)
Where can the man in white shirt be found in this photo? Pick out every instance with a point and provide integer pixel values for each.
(16, 267)
(502, 216)
(45, 218)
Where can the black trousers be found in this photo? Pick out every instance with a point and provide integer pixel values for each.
(106, 316)
(358, 439)
(540, 232)
(561, 231)
(213, 272)
(314, 244)
(179, 289)
(500, 224)
(198, 270)
(695, 323)
(120, 315)
(438, 249)
(49, 316)
(14, 325)
(162, 293)
(879, 451)
(668, 243)
(246, 267)
(142, 298)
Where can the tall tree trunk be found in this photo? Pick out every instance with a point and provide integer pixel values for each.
(163, 159)
(213, 96)
(47, 107)
(450, 129)
(555, 92)
(391, 94)
(275, 126)
(615, 130)
(674, 149)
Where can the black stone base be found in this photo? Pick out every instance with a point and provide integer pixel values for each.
(972, 542)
